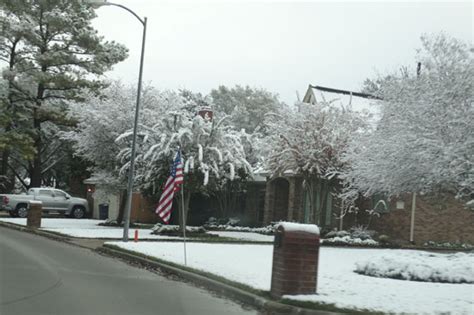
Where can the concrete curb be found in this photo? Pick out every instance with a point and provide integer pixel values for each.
(46, 234)
(274, 307)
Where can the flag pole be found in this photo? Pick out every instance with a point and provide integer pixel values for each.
(184, 226)
(183, 220)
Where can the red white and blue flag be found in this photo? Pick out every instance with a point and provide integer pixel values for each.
(172, 185)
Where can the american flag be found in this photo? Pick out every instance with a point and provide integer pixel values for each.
(171, 186)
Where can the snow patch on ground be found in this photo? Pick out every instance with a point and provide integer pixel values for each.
(337, 282)
(450, 268)
(50, 223)
(245, 236)
(88, 228)
(240, 263)
(268, 230)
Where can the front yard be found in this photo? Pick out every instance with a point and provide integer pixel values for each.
(338, 284)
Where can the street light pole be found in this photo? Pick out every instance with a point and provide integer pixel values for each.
(131, 173)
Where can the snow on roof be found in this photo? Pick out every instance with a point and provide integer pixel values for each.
(299, 227)
(357, 103)
(344, 99)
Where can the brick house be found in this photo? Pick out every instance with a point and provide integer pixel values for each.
(438, 218)
(284, 197)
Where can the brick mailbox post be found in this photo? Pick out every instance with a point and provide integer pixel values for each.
(33, 220)
(295, 259)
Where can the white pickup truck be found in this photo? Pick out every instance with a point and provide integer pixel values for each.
(53, 200)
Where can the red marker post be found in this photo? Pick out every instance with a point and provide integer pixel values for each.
(136, 236)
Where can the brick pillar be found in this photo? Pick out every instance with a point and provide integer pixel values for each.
(295, 260)
(33, 220)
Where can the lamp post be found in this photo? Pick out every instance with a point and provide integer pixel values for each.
(99, 3)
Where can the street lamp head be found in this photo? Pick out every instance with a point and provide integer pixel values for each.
(97, 3)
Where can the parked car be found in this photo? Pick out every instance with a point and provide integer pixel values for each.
(53, 200)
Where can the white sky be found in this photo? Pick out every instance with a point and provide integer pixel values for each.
(279, 45)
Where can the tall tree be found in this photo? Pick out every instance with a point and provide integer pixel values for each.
(58, 55)
(310, 141)
(213, 151)
(425, 139)
(246, 106)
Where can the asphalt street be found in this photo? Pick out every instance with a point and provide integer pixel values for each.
(42, 276)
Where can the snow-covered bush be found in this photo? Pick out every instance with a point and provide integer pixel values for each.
(358, 236)
(335, 233)
(175, 229)
(421, 266)
(349, 240)
(362, 233)
(214, 226)
(456, 245)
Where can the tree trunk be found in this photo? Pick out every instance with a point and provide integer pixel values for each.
(4, 172)
(123, 203)
(310, 191)
(35, 168)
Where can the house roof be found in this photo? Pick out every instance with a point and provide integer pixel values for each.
(359, 102)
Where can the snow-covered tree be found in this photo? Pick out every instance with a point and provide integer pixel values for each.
(101, 119)
(213, 152)
(310, 141)
(53, 53)
(246, 106)
(425, 139)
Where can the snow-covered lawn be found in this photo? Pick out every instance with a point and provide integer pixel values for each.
(88, 228)
(337, 282)
(244, 236)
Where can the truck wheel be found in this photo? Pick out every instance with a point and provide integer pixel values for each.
(78, 212)
(22, 211)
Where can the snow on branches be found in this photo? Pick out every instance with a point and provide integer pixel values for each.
(425, 139)
(213, 152)
(311, 140)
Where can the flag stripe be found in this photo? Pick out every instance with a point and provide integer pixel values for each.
(172, 185)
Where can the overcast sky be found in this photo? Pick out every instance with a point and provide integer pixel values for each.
(281, 46)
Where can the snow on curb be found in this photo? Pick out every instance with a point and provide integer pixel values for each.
(455, 268)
